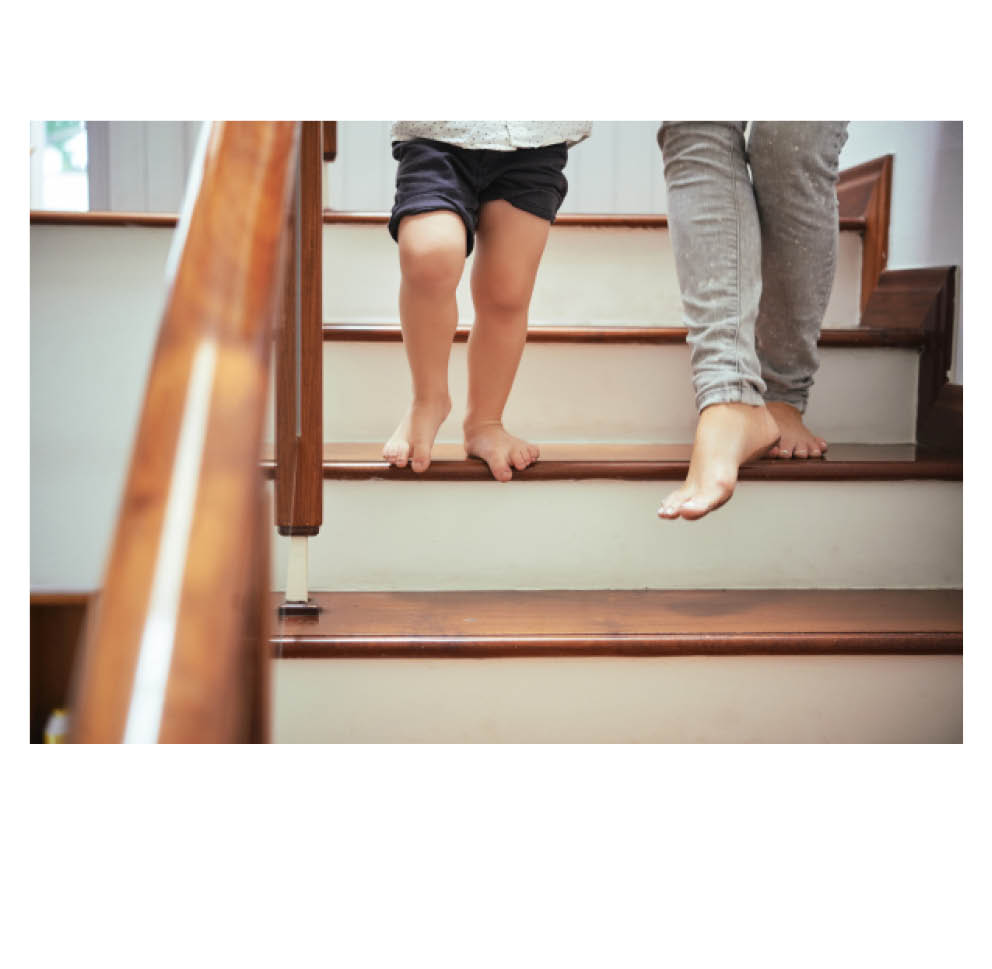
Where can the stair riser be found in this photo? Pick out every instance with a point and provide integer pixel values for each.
(613, 393)
(599, 276)
(602, 534)
(752, 699)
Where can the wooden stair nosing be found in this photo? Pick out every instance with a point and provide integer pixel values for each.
(741, 644)
(589, 220)
(886, 336)
(155, 220)
(167, 220)
(362, 461)
(625, 623)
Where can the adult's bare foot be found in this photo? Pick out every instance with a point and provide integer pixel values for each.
(797, 440)
(499, 449)
(413, 439)
(727, 436)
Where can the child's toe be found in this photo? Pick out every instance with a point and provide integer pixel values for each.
(396, 454)
(420, 458)
(500, 469)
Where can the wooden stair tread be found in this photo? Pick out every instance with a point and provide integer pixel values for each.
(862, 336)
(847, 223)
(628, 622)
(588, 220)
(656, 462)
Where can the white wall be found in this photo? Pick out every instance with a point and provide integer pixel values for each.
(97, 295)
(139, 166)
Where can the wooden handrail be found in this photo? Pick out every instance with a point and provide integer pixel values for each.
(172, 649)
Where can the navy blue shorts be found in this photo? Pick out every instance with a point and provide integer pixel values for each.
(434, 175)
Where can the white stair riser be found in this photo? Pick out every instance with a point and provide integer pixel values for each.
(597, 534)
(613, 393)
(750, 699)
(599, 276)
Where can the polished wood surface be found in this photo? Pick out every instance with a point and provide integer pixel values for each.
(299, 495)
(905, 298)
(256, 689)
(942, 427)
(57, 621)
(625, 623)
(335, 217)
(186, 590)
(350, 461)
(922, 300)
(657, 335)
(156, 220)
(865, 192)
(329, 134)
(567, 220)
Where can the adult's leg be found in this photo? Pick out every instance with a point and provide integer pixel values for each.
(509, 245)
(717, 244)
(432, 256)
(794, 168)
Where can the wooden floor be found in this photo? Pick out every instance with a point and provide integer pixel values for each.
(617, 623)
(656, 462)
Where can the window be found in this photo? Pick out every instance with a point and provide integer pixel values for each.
(59, 158)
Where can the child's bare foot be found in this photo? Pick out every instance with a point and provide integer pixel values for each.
(797, 441)
(413, 439)
(727, 436)
(499, 449)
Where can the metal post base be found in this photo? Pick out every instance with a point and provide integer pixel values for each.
(299, 610)
(298, 603)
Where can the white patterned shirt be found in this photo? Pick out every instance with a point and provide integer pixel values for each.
(494, 135)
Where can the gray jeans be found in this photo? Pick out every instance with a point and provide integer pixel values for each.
(755, 256)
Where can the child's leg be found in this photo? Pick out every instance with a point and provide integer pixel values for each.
(432, 256)
(509, 244)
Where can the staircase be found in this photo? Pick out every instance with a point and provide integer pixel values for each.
(821, 604)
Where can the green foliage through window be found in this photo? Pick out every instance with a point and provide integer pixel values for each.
(64, 137)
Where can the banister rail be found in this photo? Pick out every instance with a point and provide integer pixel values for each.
(175, 646)
(299, 429)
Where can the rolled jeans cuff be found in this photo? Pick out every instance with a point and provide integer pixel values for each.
(739, 393)
(798, 400)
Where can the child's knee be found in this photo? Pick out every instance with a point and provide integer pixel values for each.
(432, 258)
(502, 294)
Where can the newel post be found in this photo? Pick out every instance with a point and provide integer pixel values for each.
(299, 377)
